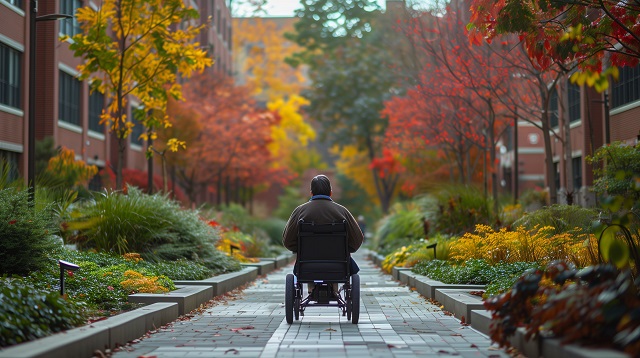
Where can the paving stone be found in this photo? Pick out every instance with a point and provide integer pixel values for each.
(394, 322)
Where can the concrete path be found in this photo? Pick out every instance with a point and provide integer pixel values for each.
(394, 322)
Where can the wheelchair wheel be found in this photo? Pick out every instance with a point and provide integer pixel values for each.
(355, 299)
(296, 302)
(288, 298)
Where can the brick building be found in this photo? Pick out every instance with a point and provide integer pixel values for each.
(64, 108)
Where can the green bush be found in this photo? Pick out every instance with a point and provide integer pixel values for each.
(563, 218)
(461, 208)
(615, 167)
(28, 313)
(273, 227)
(26, 234)
(473, 271)
(404, 226)
(152, 225)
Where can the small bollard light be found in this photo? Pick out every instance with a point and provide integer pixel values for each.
(433, 246)
(64, 265)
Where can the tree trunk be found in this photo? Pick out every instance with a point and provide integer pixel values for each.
(566, 142)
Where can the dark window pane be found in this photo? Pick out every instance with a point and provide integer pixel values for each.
(10, 73)
(70, 27)
(69, 99)
(96, 104)
(574, 102)
(627, 88)
(10, 159)
(577, 172)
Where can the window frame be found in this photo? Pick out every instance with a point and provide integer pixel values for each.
(11, 86)
(66, 109)
(627, 88)
(96, 99)
(70, 27)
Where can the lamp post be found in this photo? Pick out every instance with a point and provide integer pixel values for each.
(31, 139)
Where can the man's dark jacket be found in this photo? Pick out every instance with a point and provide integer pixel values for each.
(321, 211)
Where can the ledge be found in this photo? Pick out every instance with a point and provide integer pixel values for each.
(376, 258)
(400, 274)
(427, 287)
(188, 298)
(226, 282)
(281, 260)
(481, 320)
(81, 342)
(459, 302)
(264, 266)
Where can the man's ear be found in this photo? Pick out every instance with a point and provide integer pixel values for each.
(331, 193)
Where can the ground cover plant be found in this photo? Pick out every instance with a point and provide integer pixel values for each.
(29, 313)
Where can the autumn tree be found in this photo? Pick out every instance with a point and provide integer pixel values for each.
(138, 48)
(231, 145)
(260, 50)
(598, 35)
(351, 76)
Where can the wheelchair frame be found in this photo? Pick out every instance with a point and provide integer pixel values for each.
(323, 259)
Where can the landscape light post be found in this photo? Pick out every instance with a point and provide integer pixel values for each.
(31, 139)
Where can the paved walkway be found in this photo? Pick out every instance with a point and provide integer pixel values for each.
(394, 322)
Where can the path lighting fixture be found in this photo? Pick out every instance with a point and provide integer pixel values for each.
(65, 266)
(31, 140)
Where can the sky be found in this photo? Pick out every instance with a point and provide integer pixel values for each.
(286, 8)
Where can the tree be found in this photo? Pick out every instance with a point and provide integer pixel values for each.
(137, 48)
(598, 35)
(351, 76)
(231, 147)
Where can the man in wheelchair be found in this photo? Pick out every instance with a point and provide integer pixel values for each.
(319, 210)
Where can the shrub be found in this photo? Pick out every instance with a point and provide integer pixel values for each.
(28, 313)
(615, 167)
(598, 305)
(537, 245)
(460, 209)
(273, 227)
(402, 227)
(153, 225)
(26, 234)
(562, 218)
(408, 256)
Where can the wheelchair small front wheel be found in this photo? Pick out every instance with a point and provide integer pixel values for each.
(355, 298)
(288, 298)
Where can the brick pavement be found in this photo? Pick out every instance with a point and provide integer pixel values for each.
(394, 322)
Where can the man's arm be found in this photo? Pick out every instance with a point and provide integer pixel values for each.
(356, 238)
(290, 233)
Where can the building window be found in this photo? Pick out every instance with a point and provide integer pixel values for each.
(627, 88)
(70, 27)
(16, 3)
(576, 166)
(69, 99)
(553, 108)
(10, 160)
(10, 73)
(574, 102)
(95, 184)
(136, 131)
(96, 105)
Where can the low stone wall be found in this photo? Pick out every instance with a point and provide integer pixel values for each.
(161, 309)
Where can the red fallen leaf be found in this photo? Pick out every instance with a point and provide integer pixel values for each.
(147, 356)
(241, 328)
(456, 334)
(473, 346)
(463, 320)
(233, 350)
(390, 346)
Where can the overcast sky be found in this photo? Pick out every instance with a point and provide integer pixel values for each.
(281, 8)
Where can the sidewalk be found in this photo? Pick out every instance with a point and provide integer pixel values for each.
(394, 322)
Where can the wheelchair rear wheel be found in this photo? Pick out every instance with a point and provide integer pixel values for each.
(288, 298)
(355, 299)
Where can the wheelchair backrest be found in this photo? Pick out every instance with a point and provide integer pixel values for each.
(323, 252)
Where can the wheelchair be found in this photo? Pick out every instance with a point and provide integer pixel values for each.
(323, 259)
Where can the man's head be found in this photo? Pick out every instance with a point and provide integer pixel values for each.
(320, 185)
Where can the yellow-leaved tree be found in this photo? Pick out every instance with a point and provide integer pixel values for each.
(138, 48)
(260, 49)
(354, 164)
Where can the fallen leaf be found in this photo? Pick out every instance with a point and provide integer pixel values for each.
(233, 350)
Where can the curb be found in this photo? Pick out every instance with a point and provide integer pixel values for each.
(82, 342)
(457, 300)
